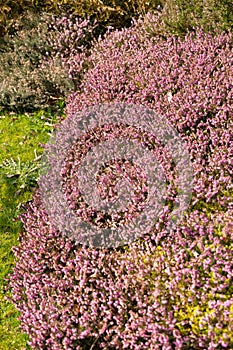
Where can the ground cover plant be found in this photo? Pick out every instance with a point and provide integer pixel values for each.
(20, 139)
(115, 12)
(161, 292)
(35, 60)
(28, 29)
(179, 15)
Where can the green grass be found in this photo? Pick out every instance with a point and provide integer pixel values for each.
(20, 139)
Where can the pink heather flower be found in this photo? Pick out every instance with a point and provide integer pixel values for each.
(156, 293)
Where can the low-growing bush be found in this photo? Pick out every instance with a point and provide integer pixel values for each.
(190, 82)
(177, 16)
(116, 13)
(35, 68)
(23, 47)
(180, 16)
(177, 294)
(162, 291)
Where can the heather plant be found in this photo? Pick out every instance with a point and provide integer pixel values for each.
(115, 13)
(175, 294)
(178, 16)
(69, 47)
(163, 291)
(29, 81)
(35, 65)
(177, 87)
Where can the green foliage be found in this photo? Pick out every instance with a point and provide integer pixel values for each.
(211, 15)
(23, 175)
(180, 16)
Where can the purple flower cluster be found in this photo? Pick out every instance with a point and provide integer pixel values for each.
(110, 173)
(188, 81)
(69, 41)
(163, 291)
(174, 295)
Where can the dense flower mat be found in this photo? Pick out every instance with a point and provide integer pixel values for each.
(163, 291)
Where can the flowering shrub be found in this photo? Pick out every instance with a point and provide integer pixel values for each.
(179, 16)
(29, 82)
(69, 43)
(163, 291)
(35, 66)
(178, 293)
(190, 82)
(114, 12)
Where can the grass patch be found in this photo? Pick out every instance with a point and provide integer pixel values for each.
(21, 137)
